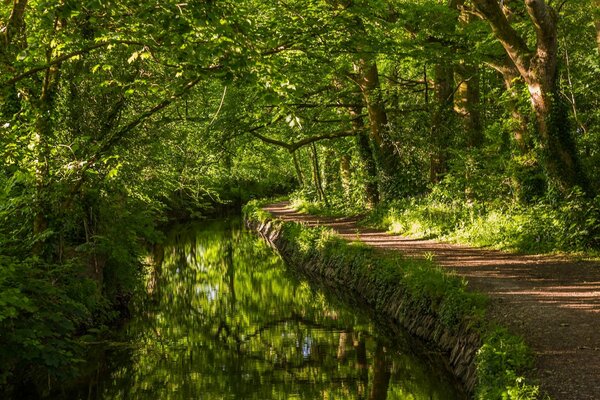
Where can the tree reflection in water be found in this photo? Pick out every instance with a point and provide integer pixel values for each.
(223, 319)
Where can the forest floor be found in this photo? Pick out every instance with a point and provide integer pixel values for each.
(553, 302)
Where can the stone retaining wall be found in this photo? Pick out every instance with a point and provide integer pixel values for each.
(396, 305)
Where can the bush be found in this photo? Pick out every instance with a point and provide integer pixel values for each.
(42, 308)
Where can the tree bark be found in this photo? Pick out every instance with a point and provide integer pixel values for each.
(317, 175)
(299, 174)
(510, 76)
(345, 174)
(342, 344)
(14, 31)
(467, 104)
(365, 154)
(383, 149)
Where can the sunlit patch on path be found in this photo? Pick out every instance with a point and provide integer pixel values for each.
(553, 302)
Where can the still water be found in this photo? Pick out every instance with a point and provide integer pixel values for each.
(223, 318)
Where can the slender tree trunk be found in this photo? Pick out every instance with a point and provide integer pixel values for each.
(42, 134)
(330, 176)
(299, 174)
(342, 344)
(345, 174)
(365, 153)
(317, 175)
(441, 121)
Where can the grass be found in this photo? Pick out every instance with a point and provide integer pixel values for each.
(571, 226)
(338, 206)
(253, 210)
(502, 359)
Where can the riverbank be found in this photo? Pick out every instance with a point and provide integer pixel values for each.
(552, 302)
(413, 292)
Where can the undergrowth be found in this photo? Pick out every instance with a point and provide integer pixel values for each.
(253, 210)
(571, 225)
(337, 205)
(502, 359)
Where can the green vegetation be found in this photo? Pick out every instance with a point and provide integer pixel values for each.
(118, 116)
(569, 225)
(378, 277)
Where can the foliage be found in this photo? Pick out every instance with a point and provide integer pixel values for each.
(253, 210)
(499, 361)
(42, 309)
(337, 207)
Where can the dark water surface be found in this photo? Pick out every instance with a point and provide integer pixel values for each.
(224, 319)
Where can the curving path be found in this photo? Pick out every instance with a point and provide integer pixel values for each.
(554, 303)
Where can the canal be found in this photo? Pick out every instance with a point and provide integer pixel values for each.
(222, 317)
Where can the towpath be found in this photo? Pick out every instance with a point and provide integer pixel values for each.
(554, 303)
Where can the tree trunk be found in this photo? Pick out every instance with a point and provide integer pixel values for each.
(345, 174)
(42, 134)
(342, 344)
(365, 153)
(383, 150)
(467, 104)
(441, 121)
(317, 175)
(560, 156)
(299, 174)
(330, 175)
(510, 75)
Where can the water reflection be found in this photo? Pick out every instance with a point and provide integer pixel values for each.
(222, 319)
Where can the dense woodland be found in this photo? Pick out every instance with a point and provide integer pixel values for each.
(477, 118)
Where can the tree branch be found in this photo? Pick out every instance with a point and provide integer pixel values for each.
(66, 57)
(513, 43)
(544, 22)
(121, 133)
(292, 147)
(15, 22)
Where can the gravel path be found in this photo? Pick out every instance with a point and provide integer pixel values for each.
(554, 303)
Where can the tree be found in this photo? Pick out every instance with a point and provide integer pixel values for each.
(539, 70)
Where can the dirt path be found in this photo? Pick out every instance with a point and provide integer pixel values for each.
(553, 302)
